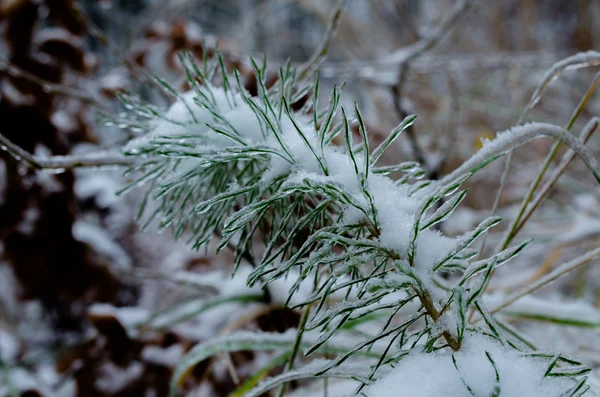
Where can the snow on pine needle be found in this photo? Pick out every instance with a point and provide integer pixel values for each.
(266, 179)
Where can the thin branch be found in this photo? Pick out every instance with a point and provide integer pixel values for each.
(296, 348)
(308, 67)
(586, 133)
(397, 90)
(404, 58)
(547, 161)
(138, 72)
(377, 71)
(410, 54)
(407, 54)
(550, 277)
(518, 136)
(581, 60)
(99, 159)
(577, 61)
(427, 302)
(48, 87)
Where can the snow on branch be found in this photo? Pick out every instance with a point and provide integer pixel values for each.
(97, 159)
(519, 135)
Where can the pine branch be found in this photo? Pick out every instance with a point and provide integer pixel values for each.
(247, 167)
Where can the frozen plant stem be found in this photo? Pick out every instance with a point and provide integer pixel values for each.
(516, 225)
(580, 60)
(550, 277)
(427, 303)
(301, 326)
(99, 159)
(586, 133)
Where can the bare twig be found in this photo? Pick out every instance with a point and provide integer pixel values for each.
(404, 58)
(397, 90)
(52, 88)
(138, 72)
(378, 70)
(99, 159)
(308, 67)
(407, 54)
(413, 52)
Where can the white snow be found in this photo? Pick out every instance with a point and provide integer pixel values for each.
(395, 209)
(193, 32)
(9, 346)
(579, 60)
(29, 220)
(115, 379)
(102, 242)
(46, 178)
(59, 34)
(518, 136)
(14, 96)
(434, 374)
(101, 185)
(129, 317)
(168, 357)
(114, 81)
(420, 374)
(567, 312)
(185, 117)
(63, 121)
(586, 220)
(280, 289)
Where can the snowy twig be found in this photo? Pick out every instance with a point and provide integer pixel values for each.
(520, 135)
(99, 159)
(580, 60)
(586, 133)
(546, 164)
(577, 61)
(321, 52)
(48, 87)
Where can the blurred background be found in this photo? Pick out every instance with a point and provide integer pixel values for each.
(84, 291)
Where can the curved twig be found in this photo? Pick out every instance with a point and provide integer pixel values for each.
(98, 159)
